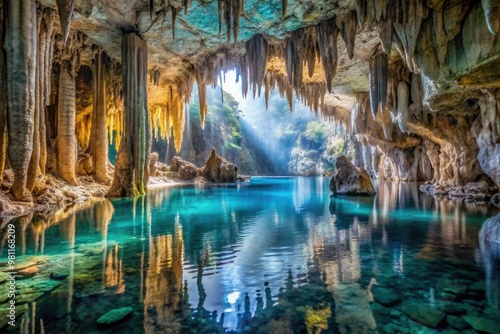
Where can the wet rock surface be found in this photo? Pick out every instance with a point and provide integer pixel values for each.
(218, 169)
(349, 180)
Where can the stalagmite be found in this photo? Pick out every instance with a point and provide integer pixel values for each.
(98, 137)
(131, 169)
(403, 103)
(327, 33)
(66, 139)
(256, 56)
(20, 48)
(492, 14)
(65, 10)
(349, 32)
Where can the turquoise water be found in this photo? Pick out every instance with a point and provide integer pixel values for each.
(274, 255)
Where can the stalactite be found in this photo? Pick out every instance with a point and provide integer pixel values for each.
(202, 97)
(284, 7)
(327, 44)
(294, 58)
(220, 14)
(349, 32)
(380, 9)
(236, 19)
(407, 25)
(385, 33)
(310, 49)
(174, 17)
(20, 48)
(132, 162)
(360, 11)
(403, 103)
(378, 82)
(244, 76)
(256, 56)
(492, 14)
(99, 143)
(65, 10)
(227, 18)
(47, 50)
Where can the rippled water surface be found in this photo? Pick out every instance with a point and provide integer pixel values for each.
(277, 255)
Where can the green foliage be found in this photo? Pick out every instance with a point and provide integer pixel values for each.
(316, 131)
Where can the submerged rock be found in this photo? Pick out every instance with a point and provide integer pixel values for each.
(482, 325)
(114, 316)
(218, 169)
(386, 297)
(349, 180)
(423, 314)
(490, 232)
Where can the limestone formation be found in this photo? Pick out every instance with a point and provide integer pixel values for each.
(218, 169)
(349, 180)
(132, 164)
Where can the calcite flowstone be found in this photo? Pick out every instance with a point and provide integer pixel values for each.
(349, 180)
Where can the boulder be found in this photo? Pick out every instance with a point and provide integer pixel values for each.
(349, 180)
(218, 169)
(84, 165)
(188, 171)
(114, 316)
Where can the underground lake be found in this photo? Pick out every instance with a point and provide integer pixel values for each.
(274, 254)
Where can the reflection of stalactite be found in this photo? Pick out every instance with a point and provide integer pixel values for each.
(113, 276)
(163, 285)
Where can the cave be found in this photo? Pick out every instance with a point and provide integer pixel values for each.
(232, 166)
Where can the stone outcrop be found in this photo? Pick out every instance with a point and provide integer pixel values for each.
(349, 180)
(218, 169)
(185, 169)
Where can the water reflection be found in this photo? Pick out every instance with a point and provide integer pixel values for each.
(276, 253)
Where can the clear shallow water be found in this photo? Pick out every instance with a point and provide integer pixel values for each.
(274, 255)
